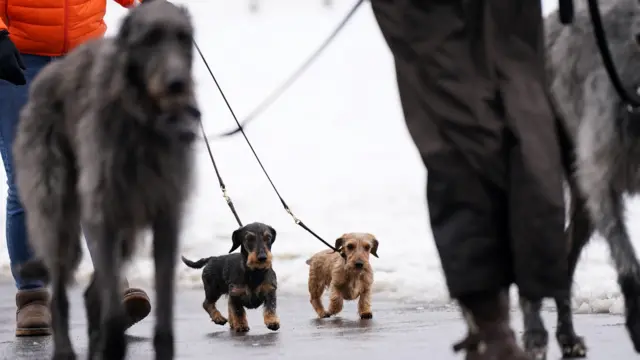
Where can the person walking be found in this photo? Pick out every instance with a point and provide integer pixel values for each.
(34, 33)
(471, 79)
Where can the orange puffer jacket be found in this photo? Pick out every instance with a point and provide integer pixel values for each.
(54, 27)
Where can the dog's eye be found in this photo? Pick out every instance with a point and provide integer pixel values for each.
(367, 247)
(184, 37)
(153, 37)
(350, 247)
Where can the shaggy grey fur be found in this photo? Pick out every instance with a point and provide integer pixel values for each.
(607, 156)
(106, 141)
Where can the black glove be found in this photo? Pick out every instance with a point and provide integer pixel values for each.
(11, 65)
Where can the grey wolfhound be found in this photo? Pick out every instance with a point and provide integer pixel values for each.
(105, 141)
(606, 157)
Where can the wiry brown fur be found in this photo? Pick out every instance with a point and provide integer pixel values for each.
(347, 274)
(105, 140)
(247, 277)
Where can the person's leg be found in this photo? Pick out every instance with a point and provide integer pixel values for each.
(33, 317)
(450, 104)
(465, 214)
(455, 128)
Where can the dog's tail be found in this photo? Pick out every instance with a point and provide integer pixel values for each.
(34, 270)
(197, 264)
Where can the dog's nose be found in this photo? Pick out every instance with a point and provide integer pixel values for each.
(262, 257)
(176, 86)
(359, 264)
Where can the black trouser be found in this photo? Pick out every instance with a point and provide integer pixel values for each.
(471, 81)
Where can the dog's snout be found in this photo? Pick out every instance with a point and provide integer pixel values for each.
(176, 86)
(262, 257)
(359, 264)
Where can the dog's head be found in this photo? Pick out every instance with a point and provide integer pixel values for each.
(156, 43)
(254, 241)
(356, 247)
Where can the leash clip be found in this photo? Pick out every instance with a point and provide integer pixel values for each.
(225, 195)
(295, 219)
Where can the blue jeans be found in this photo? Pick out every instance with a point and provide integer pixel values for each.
(12, 99)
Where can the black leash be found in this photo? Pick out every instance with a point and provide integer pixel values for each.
(284, 204)
(629, 121)
(269, 100)
(632, 102)
(220, 181)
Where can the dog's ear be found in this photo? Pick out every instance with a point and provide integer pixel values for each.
(374, 247)
(126, 28)
(184, 10)
(236, 237)
(273, 234)
(339, 244)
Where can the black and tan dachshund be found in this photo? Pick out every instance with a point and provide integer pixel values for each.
(246, 277)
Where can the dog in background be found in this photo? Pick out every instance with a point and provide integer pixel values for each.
(105, 141)
(246, 277)
(347, 274)
(606, 157)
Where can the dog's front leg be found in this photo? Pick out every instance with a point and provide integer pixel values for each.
(63, 350)
(92, 307)
(108, 240)
(165, 246)
(535, 337)
(364, 304)
(335, 300)
(237, 315)
(316, 289)
(270, 316)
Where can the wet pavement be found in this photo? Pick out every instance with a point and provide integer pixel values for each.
(400, 331)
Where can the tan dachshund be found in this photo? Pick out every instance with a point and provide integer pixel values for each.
(347, 273)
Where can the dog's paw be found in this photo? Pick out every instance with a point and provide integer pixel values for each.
(535, 344)
(572, 346)
(366, 316)
(324, 315)
(275, 325)
(240, 329)
(219, 320)
(272, 321)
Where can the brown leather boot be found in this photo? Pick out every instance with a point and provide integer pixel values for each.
(33, 317)
(136, 303)
(490, 336)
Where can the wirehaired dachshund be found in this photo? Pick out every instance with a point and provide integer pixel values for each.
(247, 278)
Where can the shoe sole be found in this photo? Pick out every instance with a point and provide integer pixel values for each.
(137, 306)
(33, 332)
